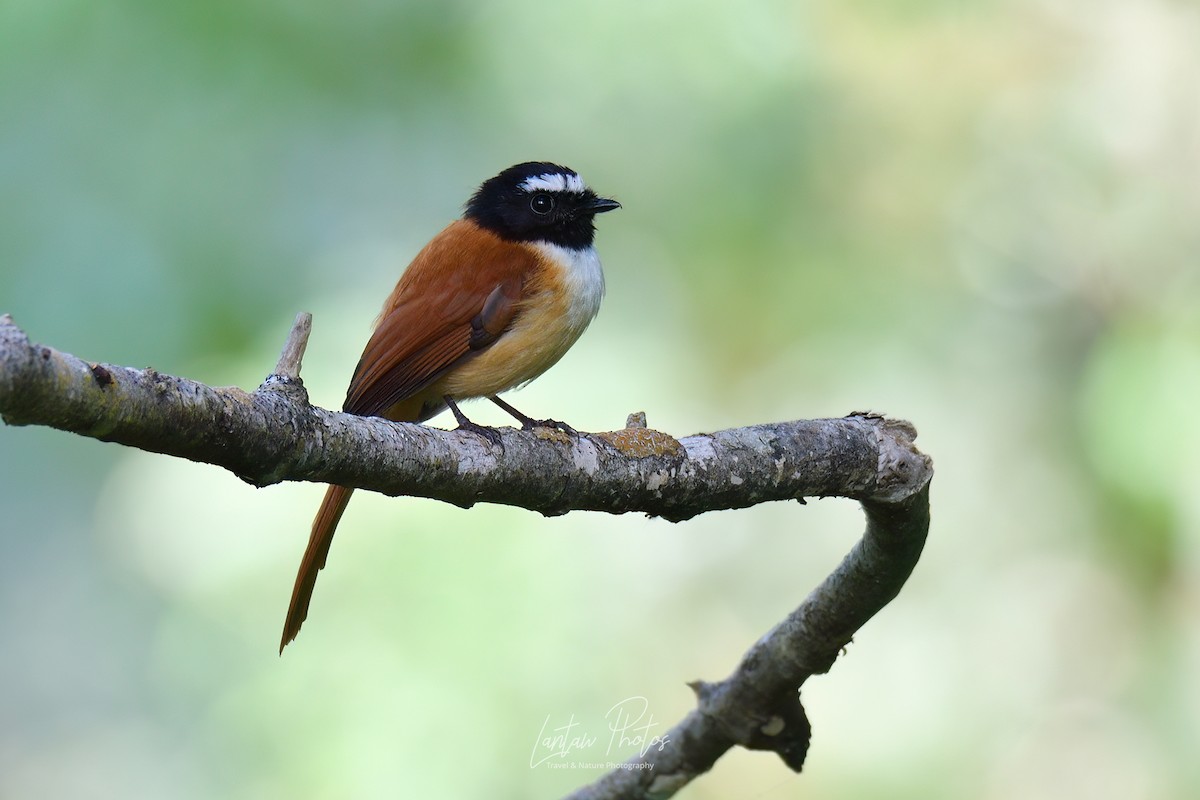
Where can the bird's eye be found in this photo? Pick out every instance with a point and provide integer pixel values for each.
(541, 203)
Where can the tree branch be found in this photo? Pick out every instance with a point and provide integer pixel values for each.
(273, 434)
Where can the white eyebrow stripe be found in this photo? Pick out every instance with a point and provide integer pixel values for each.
(554, 182)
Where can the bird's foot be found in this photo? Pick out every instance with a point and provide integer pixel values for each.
(490, 434)
(549, 423)
(529, 423)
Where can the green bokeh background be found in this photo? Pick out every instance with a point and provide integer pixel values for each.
(982, 217)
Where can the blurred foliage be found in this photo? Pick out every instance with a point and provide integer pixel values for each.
(980, 217)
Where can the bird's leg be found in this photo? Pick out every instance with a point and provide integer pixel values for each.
(528, 423)
(464, 424)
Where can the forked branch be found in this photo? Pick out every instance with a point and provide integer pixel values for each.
(273, 434)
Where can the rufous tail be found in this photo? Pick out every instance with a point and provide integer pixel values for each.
(336, 499)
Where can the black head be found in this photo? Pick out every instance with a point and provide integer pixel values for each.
(538, 201)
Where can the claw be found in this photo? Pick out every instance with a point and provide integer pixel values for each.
(529, 423)
(490, 434)
(550, 423)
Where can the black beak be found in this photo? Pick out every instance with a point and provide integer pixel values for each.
(599, 205)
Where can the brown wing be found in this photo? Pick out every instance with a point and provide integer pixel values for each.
(457, 297)
(459, 294)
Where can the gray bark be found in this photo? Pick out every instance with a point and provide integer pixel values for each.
(272, 434)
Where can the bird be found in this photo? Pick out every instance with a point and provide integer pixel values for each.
(490, 303)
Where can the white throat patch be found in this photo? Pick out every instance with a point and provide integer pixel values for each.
(583, 278)
(554, 182)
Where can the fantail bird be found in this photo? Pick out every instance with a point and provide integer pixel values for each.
(492, 301)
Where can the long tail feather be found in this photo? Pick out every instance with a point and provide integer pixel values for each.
(336, 499)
